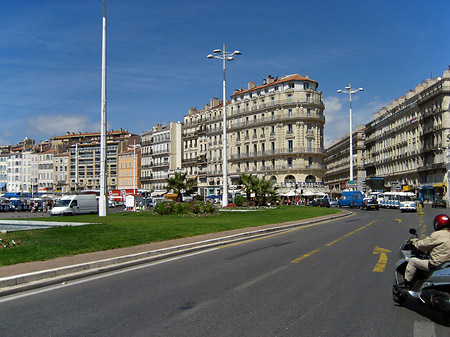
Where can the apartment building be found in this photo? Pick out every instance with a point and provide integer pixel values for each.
(4, 151)
(337, 163)
(19, 167)
(161, 155)
(62, 172)
(129, 168)
(84, 154)
(46, 179)
(274, 130)
(407, 142)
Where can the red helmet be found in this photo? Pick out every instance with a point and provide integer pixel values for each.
(441, 221)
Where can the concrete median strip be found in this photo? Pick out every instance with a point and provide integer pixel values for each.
(28, 281)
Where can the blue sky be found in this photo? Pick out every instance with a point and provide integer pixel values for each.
(50, 57)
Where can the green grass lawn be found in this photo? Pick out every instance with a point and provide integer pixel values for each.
(131, 229)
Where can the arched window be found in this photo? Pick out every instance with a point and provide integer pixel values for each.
(310, 179)
(289, 179)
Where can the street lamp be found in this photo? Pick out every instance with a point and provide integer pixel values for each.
(102, 202)
(224, 56)
(348, 90)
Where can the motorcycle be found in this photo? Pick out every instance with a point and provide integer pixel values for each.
(430, 288)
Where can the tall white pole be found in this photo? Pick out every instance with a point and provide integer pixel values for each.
(134, 166)
(103, 205)
(350, 92)
(76, 167)
(224, 140)
(351, 135)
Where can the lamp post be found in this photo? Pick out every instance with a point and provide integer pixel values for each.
(348, 90)
(224, 56)
(103, 204)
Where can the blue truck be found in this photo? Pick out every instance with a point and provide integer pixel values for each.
(351, 199)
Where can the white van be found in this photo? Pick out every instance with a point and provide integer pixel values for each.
(76, 204)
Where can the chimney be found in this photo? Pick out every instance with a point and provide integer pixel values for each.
(214, 102)
(251, 85)
(270, 79)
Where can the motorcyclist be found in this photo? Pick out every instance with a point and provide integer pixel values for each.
(438, 246)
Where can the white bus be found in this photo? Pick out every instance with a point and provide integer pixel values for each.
(392, 199)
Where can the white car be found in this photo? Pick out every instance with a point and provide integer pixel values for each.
(408, 205)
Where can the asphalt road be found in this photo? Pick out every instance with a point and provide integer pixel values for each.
(312, 281)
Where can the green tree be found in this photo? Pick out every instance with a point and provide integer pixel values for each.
(180, 183)
(264, 190)
(248, 183)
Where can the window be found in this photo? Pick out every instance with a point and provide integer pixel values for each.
(290, 146)
(289, 113)
(289, 162)
(289, 129)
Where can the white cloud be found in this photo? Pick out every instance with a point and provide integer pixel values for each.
(336, 125)
(58, 124)
(337, 116)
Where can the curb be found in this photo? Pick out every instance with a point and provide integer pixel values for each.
(24, 282)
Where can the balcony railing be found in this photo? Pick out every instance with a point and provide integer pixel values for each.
(286, 151)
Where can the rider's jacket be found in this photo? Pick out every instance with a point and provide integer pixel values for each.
(438, 244)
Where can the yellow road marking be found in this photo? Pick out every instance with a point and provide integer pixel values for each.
(382, 261)
(279, 233)
(307, 255)
(348, 234)
(333, 242)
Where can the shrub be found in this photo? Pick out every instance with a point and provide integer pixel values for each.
(165, 208)
(196, 207)
(239, 200)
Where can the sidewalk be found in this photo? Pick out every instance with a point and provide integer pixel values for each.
(30, 275)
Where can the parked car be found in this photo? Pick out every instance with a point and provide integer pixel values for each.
(407, 204)
(370, 203)
(439, 203)
(333, 203)
(321, 202)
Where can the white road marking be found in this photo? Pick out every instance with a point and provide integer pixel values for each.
(424, 329)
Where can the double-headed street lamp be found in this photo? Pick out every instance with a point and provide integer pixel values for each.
(103, 201)
(348, 90)
(224, 56)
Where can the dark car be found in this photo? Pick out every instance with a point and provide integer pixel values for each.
(439, 203)
(369, 204)
(321, 202)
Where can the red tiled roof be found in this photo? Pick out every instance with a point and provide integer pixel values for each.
(283, 79)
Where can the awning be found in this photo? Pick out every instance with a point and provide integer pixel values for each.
(440, 185)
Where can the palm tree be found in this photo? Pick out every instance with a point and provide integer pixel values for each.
(248, 183)
(179, 182)
(264, 191)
